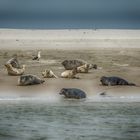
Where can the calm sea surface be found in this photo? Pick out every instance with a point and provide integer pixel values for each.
(69, 120)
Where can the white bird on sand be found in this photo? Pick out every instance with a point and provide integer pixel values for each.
(38, 56)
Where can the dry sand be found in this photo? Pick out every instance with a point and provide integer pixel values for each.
(116, 52)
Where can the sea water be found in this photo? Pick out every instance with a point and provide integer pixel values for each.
(29, 118)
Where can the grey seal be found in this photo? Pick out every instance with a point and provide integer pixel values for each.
(14, 62)
(73, 93)
(48, 74)
(71, 64)
(14, 71)
(29, 79)
(114, 80)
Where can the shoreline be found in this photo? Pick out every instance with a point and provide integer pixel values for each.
(68, 39)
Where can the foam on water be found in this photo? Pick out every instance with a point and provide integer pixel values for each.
(53, 98)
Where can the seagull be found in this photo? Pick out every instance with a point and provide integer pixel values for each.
(38, 56)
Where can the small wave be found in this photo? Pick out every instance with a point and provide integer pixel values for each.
(50, 99)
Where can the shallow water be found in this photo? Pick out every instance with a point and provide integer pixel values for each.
(27, 118)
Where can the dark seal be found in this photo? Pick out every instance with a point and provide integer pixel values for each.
(25, 80)
(113, 81)
(73, 93)
(71, 64)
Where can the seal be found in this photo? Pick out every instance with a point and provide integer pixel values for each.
(83, 69)
(93, 66)
(71, 64)
(14, 71)
(29, 79)
(49, 74)
(69, 74)
(113, 81)
(14, 62)
(73, 93)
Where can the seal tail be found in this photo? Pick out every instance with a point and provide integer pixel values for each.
(131, 84)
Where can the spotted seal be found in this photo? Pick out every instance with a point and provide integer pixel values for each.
(14, 62)
(49, 74)
(14, 71)
(73, 93)
(113, 81)
(29, 79)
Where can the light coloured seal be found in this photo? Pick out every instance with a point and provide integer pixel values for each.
(49, 74)
(69, 74)
(14, 71)
(83, 69)
(71, 64)
(14, 62)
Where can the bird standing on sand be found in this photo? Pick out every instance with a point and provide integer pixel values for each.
(38, 56)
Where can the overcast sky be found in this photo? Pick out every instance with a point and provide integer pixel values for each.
(16, 12)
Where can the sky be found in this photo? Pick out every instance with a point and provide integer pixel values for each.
(70, 14)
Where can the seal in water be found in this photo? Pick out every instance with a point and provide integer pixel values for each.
(49, 74)
(69, 74)
(113, 81)
(25, 80)
(14, 71)
(38, 56)
(14, 62)
(73, 93)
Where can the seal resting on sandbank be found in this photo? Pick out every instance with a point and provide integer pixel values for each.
(14, 62)
(25, 80)
(113, 81)
(73, 93)
(70, 74)
(49, 74)
(14, 71)
(83, 69)
(71, 64)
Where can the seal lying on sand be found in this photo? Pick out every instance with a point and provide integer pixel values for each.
(14, 71)
(49, 74)
(71, 64)
(14, 62)
(25, 80)
(73, 93)
(83, 69)
(113, 81)
(92, 66)
(69, 73)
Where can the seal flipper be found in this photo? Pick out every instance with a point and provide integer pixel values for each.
(131, 84)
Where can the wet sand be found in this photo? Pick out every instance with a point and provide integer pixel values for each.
(116, 56)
